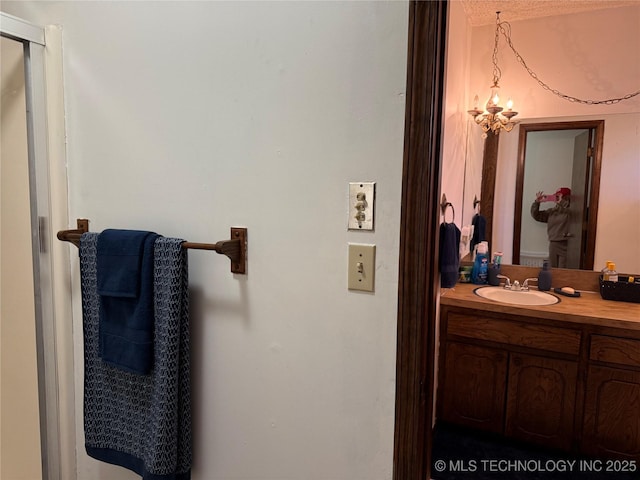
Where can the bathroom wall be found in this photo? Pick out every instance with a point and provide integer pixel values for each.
(19, 419)
(454, 145)
(187, 118)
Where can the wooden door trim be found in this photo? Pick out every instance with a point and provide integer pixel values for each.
(417, 284)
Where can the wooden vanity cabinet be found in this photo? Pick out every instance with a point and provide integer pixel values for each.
(509, 376)
(541, 400)
(611, 425)
(475, 377)
(559, 384)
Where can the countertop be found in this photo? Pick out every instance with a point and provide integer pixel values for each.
(589, 308)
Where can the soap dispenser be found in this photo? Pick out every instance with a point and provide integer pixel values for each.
(544, 277)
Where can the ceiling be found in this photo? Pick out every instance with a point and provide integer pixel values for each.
(483, 12)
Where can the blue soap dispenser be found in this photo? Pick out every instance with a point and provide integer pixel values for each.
(544, 277)
(481, 264)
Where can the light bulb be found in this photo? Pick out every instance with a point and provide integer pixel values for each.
(495, 99)
(509, 104)
(476, 100)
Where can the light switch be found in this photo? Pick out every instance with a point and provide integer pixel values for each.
(362, 267)
(362, 196)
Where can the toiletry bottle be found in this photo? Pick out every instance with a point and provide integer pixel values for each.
(610, 274)
(480, 264)
(494, 270)
(544, 277)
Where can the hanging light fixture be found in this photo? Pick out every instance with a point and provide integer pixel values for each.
(494, 118)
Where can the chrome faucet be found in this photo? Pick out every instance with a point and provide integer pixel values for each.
(525, 284)
(515, 286)
(507, 283)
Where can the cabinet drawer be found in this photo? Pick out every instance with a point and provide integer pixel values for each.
(543, 337)
(624, 351)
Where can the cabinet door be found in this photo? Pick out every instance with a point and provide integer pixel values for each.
(474, 385)
(612, 413)
(541, 400)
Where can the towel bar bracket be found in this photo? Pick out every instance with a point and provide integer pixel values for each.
(235, 248)
(240, 265)
(73, 236)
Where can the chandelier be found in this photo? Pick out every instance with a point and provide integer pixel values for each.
(494, 118)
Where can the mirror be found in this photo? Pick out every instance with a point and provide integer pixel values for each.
(561, 160)
(614, 208)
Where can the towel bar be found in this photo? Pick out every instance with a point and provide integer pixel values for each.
(235, 248)
(443, 207)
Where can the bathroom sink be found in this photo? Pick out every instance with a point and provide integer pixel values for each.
(531, 297)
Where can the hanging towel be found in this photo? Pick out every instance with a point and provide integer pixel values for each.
(449, 254)
(479, 230)
(125, 286)
(141, 422)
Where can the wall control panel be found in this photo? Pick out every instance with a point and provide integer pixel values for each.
(362, 267)
(361, 205)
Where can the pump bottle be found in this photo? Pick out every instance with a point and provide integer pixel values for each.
(544, 277)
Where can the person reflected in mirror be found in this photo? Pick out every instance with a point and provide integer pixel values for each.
(557, 220)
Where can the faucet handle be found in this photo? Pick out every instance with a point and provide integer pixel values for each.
(507, 283)
(525, 284)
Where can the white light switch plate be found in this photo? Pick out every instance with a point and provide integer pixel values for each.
(362, 197)
(362, 267)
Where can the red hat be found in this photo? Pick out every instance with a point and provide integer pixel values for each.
(564, 191)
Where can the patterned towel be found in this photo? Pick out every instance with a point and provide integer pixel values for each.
(141, 422)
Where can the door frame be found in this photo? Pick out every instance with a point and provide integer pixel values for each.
(418, 272)
(42, 49)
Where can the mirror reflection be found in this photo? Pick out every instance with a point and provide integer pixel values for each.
(526, 163)
(557, 184)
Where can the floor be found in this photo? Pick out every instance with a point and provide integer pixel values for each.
(464, 454)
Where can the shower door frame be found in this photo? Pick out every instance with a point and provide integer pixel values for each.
(45, 157)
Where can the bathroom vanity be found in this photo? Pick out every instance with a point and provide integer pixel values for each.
(565, 375)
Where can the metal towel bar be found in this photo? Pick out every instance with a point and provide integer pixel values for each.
(235, 248)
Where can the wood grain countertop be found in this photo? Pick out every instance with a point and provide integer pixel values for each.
(589, 308)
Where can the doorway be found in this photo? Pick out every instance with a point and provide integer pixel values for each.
(20, 431)
(568, 154)
(46, 307)
(417, 286)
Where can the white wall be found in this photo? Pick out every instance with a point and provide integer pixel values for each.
(188, 118)
(578, 56)
(454, 146)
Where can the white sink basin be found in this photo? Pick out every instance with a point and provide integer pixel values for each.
(531, 297)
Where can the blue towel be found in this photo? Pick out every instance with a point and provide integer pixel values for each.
(141, 422)
(479, 230)
(125, 286)
(449, 259)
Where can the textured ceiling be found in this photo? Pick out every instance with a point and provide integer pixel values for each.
(483, 12)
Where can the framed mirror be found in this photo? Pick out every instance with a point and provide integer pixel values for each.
(613, 205)
(557, 193)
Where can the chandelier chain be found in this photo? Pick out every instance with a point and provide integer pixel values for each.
(497, 73)
(505, 29)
